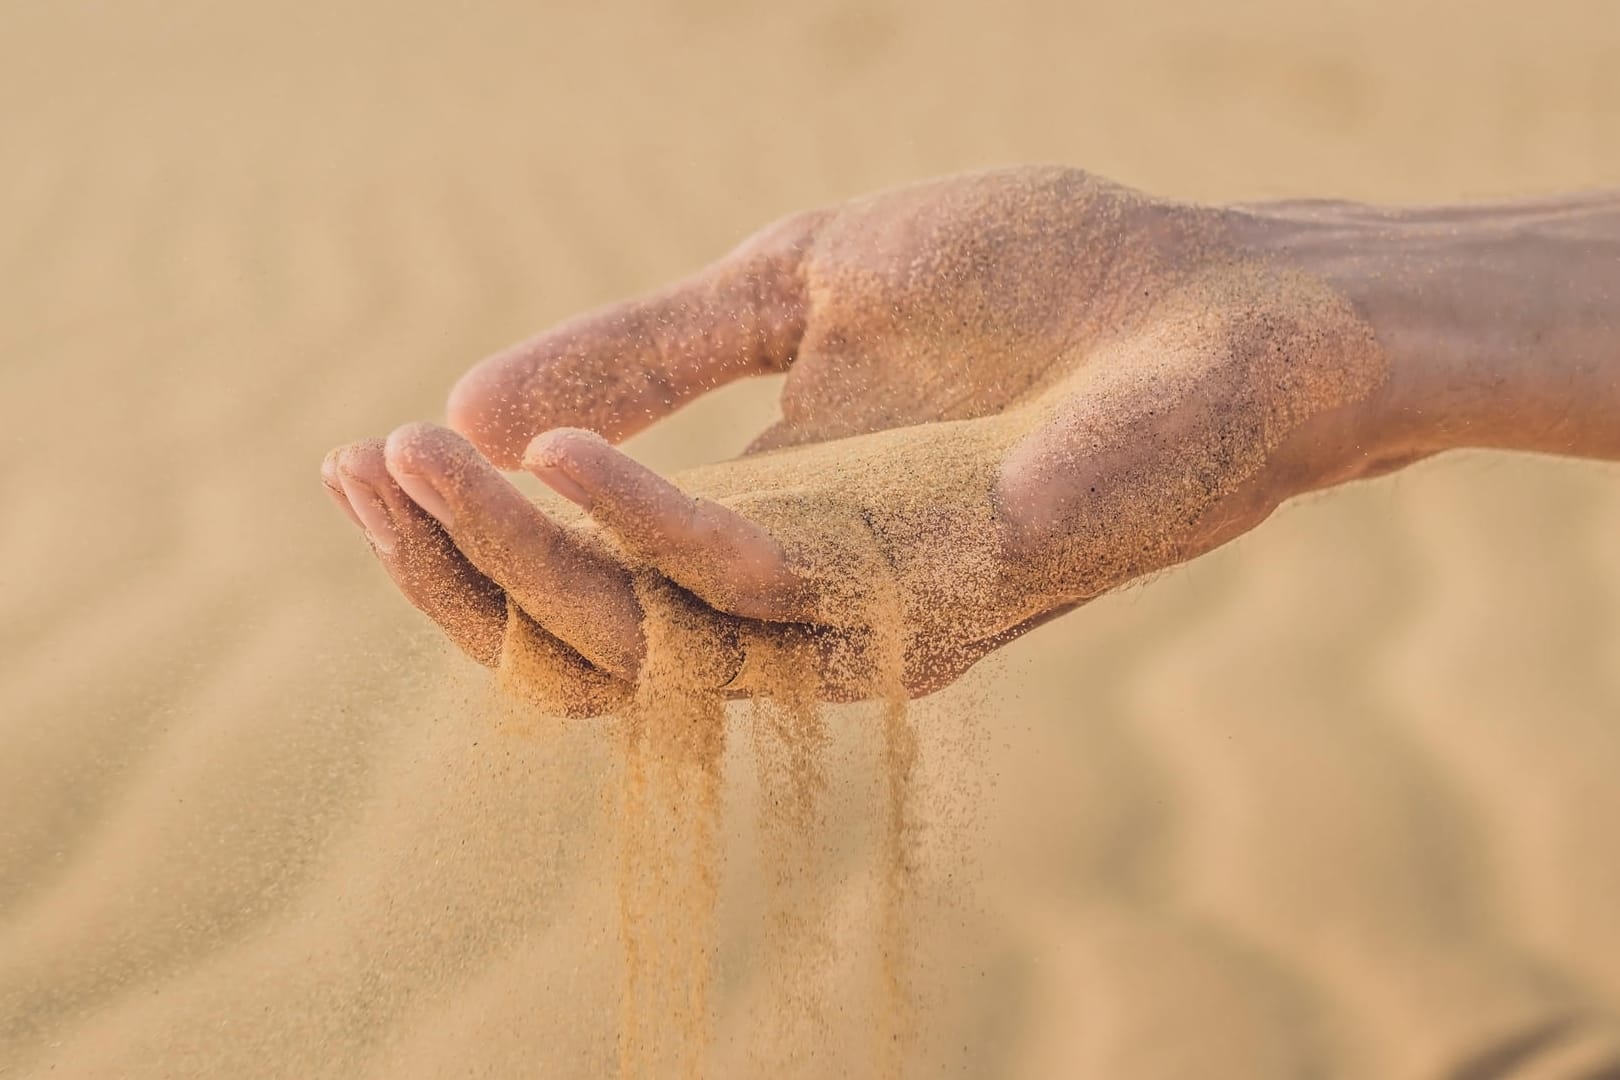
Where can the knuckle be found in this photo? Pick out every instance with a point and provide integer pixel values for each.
(786, 238)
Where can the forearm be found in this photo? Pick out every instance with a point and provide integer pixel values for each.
(1501, 324)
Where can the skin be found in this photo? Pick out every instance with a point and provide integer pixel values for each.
(1019, 301)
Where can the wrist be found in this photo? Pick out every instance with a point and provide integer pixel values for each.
(1500, 325)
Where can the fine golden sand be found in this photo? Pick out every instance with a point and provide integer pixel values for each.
(1338, 800)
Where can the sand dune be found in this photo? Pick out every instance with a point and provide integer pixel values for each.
(1338, 800)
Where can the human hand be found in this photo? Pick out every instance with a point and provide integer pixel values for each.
(1006, 393)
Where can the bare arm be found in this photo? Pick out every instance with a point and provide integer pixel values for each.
(1501, 323)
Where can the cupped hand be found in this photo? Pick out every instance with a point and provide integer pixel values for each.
(1006, 393)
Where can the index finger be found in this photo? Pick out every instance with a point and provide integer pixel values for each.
(616, 370)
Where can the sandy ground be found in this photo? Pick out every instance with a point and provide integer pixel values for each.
(1338, 801)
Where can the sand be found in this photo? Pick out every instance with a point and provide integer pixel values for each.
(1335, 801)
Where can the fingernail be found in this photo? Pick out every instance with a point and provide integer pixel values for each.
(342, 501)
(544, 458)
(425, 495)
(373, 514)
(563, 484)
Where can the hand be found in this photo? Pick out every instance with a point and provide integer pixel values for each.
(1006, 393)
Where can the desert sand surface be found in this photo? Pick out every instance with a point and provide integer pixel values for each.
(1340, 800)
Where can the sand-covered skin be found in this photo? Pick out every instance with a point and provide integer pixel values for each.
(1336, 801)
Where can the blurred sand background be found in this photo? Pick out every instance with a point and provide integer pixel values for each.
(1341, 800)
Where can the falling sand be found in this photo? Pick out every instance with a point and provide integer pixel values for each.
(671, 730)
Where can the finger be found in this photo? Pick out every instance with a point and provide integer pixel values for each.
(332, 484)
(729, 562)
(618, 369)
(425, 566)
(575, 591)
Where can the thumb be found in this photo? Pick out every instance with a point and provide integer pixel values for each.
(617, 369)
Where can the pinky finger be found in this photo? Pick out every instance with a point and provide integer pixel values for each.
(435, 577)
